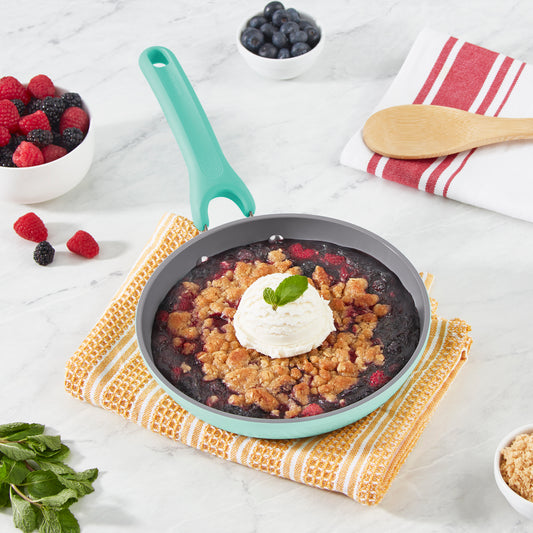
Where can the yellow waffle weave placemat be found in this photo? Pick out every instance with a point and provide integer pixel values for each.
(360, 460)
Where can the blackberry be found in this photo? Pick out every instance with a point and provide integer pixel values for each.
(6, 157)
(71, 138)
(40, 137)
(71, 100)
(43, 253)
(58, 139)
(20, 105)
(34, 105)
(15, 141)
(53, 107)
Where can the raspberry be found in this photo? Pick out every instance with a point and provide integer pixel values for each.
(74, 117)
(41, 86)
(299, 252)
(82, 243)
(5, 136)
(334, 259)
(378, 379)
(52, 152)
(40, 138)
(11, 89)
(35, 121)
(9, 115)
(71, 99)
(27, 155)
(71, 138)
(31, 227)
(44, 253)
(53, 108)
(311, 410)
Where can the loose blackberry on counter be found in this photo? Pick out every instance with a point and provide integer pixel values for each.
(44, 253)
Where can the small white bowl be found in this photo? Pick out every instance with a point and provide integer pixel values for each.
(282, 69)
(30, 185)
(520, 504)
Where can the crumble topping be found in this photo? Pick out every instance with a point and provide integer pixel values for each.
(516, 465)
(205, 328)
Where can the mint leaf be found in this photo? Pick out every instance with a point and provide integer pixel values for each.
(290, 289)
(16, 451)
(4, 495)
(81, 482)
(25, 515)
(13, 471)
(41, 483)
(270, 297)
(41, 443)
(50, 522)
(68, 522)
(63, 498)
(10, 430)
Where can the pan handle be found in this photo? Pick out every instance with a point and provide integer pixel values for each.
(210, 174)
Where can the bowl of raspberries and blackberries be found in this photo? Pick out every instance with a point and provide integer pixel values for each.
(45, 135)
(280, 42)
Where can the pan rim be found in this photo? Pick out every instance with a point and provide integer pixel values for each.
(295, 427)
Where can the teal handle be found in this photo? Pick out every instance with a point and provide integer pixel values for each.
(210, 175)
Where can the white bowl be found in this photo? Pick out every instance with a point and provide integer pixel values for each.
(520, 504)
(282, 69)
(29, 185)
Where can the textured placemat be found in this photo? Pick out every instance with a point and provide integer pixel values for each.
(360, 460)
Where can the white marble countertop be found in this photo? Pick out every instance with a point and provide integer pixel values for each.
(284, 139)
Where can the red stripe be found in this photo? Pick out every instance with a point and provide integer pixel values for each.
(489, 97)
(510, 89)
(450, 179)
(435, 71)
(424, 91)
(495, 87)
(459, 89)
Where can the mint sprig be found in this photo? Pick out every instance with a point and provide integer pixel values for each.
(289, 290)
(35, 481)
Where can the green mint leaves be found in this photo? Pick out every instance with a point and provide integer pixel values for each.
(289, 290)
(35, 481)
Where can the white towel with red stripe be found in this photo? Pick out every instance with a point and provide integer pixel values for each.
(447, 71)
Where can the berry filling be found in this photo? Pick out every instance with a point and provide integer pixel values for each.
(376, 332)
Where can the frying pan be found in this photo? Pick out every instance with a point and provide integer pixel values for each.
(211, 176)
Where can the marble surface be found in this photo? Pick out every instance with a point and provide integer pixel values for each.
(284, 139)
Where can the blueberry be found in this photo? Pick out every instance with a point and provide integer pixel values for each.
(293, 14)
(257, 21)
(284, 53)
(268, 50)
(299, 48)
(298, 37)
(289, 27)
(252, 39)
(304, 24)
(313, 35)
(280, 17)
(271, 8)
(280, 40)
(268, 29)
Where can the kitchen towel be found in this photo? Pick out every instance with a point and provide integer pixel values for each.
(446, 71)
(359, 460)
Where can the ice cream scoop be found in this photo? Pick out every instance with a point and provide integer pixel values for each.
(291, 329)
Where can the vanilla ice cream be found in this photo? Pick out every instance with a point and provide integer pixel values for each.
(292, 329)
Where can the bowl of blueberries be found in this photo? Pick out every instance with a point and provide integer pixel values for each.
(280, 43)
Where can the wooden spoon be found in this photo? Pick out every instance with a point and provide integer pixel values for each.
(421, 131)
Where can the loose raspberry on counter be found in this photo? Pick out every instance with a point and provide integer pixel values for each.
(52, 152)
(83, 243)
(27, 155)
(12, 89)
(31, 227)
(9, 115)
(41, 86)
(74, 117)
(44, 253)
(5, 136)
(35, 121)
